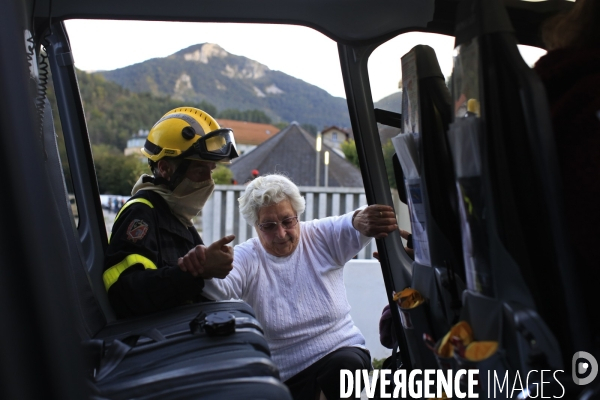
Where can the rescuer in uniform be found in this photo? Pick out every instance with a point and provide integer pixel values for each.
(153, 232)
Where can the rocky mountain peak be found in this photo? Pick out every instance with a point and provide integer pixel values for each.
(203, 53)
(249, 69)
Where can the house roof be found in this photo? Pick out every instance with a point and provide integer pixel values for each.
(249, 132)
(292, 152)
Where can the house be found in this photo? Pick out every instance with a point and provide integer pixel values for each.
(136, 143)
(293, 152)
(334, 137)
(248, 135)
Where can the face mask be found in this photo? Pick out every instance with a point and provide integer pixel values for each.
(185, 201)
(188, 198)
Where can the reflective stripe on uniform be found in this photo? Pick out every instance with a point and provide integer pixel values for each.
(111, 275)
(130, 202)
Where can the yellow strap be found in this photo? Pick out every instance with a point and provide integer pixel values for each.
(111, 275)
(130, 202)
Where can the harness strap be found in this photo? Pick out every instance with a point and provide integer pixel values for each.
(130, 202)
(178, 175)
(115, 354)
(111, 275)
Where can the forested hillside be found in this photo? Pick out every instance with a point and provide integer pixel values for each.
(114, 114)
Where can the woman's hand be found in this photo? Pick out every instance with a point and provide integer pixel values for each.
(214, 261)
(375, 221)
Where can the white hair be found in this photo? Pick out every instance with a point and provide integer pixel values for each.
(267, 190)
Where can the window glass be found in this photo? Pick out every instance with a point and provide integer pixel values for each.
(256, 79)
(385, 76)
(271, 78)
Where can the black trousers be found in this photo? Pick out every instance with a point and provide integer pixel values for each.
(325, 374)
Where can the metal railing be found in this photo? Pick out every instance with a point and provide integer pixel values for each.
(221, 215)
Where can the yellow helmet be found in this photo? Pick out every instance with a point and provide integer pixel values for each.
(189, 133)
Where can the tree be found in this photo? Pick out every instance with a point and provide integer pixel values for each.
(113, 113)
(247, 115)
(222, 175)
(116, 173)
(349, 150)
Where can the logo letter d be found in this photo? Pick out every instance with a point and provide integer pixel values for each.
(592, 363)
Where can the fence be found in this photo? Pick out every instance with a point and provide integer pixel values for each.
(221, 215)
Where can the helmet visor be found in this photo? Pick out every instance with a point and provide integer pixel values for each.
(217, 145)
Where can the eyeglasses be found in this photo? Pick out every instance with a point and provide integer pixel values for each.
(287, 223)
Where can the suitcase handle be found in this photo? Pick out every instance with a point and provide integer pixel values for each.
(220, 323)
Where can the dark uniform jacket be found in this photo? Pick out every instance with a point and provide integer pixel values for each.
(140, 266)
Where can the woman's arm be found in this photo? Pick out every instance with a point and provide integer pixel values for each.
(234, 285)
(341, 238)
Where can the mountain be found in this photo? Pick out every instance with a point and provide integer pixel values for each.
(206, 72)
(393, 102)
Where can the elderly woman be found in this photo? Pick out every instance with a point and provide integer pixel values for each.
(293, 278)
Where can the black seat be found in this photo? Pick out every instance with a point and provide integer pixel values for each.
(438, 272)
(438, 181)
(522, 291)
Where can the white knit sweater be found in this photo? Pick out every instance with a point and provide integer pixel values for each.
(300, 300)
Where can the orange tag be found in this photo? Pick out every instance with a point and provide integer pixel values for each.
(463, 331)
(408, 298)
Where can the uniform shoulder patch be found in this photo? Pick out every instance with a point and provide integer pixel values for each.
(136, 230)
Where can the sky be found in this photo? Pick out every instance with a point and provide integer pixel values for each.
(301, 52)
